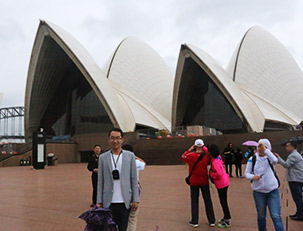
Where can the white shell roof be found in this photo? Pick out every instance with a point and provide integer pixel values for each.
(262, 81)
(96, 78)
(124, 113)
(139, 69)
(263, 68)
(244, 106)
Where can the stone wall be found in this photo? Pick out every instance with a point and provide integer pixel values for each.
(169, 151)
(66, 153)
(155, 151)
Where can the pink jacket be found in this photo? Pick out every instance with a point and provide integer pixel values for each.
(217, 172)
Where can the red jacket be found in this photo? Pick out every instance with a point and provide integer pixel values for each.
(199, 176)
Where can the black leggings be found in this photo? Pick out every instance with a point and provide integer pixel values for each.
(238, 169)
(230, 165)
(223, 201)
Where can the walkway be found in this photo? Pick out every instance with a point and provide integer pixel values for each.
(53, 198)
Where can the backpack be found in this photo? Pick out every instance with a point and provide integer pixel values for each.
(271, 166)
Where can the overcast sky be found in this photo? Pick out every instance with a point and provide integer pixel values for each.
(215, 26)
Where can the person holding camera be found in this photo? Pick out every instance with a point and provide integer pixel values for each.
(117, 182)
(198, 158)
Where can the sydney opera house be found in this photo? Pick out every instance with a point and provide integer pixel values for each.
(67, 93)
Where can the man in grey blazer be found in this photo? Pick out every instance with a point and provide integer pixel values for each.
(294, 168)
(118, 184)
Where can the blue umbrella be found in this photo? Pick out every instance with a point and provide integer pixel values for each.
(98, 219)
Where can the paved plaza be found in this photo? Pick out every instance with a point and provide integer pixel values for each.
(53, 198)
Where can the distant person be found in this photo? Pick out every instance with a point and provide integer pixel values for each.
(250, 152)
(294, 169)
(265, 183)
(221, 181)
(118, 183)
(133, 216)
(238, 157)
(228, 158)
(198, 158)
(93, 167)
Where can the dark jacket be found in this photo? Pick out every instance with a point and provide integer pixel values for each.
(238, 157)
(92, 164)
(228, 154)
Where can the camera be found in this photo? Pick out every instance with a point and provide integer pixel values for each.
(116, 175)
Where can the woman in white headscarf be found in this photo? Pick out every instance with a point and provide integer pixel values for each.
(265, 183)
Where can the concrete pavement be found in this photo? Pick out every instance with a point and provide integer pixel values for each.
(53, 198)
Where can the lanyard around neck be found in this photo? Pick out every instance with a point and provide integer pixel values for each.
(116, 162)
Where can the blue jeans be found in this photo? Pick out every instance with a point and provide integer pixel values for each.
(272, 200)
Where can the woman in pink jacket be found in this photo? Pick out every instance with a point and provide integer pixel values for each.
(221, 180)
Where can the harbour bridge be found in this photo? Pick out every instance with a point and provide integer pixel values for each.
(12, 123)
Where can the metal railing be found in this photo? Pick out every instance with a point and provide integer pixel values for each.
(181, 131)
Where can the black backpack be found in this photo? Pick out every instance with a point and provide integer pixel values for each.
(271, 166)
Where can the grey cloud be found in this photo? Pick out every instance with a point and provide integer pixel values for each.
(10, 31)
(215, 26)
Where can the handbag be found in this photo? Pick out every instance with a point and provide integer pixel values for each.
(187, 179)
(210, 178)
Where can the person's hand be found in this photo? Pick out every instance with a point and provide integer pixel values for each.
(191, 148)
(137, 158)
(99, 205)
(95, 170)
(135, 206)
(276, 154)
(205, 149)
(262, 147)
(257, 177)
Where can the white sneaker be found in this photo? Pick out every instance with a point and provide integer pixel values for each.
(193, 225)
(212, 225)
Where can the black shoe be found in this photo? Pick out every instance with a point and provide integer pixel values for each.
(231, 176)
(297, 218)
(294, 215)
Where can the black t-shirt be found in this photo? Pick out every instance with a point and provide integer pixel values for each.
(93, 161)
(238, 157)
(228, 154)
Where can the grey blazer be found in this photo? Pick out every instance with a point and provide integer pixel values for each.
(294, 166)
(128, 178)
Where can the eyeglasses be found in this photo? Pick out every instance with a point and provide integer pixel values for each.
(115, 137)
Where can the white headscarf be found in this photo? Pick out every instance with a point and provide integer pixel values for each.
(266, 142)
